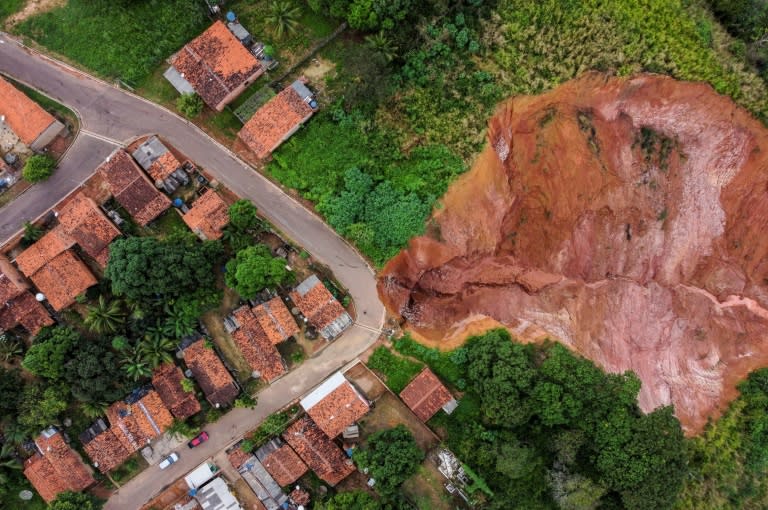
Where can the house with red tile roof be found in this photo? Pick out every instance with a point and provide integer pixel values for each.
(86, 225)
(210, 373)
(260, 353)
(335, 405)
(281, 462)
(134, 423)
(17, 305)
(215, 65)
(34, 126)
(132, 189)
(322, 310)
(278, 119)
(166, 379)
(317, 451)
(426, 395)
(55, 467)
(276, 320)
(163, 167)
(208, 216)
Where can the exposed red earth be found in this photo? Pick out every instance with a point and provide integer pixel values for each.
(624, 217)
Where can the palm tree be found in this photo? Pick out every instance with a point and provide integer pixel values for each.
(8, 458)
(135, 365)
(9, 348)
(382, 45)
(284, 17)
(181, 429)
(177, 324)
(94, 409)
(32, 233)
(105, 316)
(156, 350)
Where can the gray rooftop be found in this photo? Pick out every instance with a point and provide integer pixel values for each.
(178, 81)
(301, 89)
(149, 151)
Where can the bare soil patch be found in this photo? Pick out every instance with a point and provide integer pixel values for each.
(33, 8)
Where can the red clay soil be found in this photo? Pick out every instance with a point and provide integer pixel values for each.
(626, 218)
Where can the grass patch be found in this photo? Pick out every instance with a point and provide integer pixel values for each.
(273, 426)
(156, 88)
(226, 123)
(447, 365)
(129, 469)
(168, 222)
(397, 371)
(8, 7)
(117, 39)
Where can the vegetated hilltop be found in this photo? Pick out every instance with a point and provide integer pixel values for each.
(624, 217)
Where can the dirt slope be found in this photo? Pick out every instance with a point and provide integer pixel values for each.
(627, 218)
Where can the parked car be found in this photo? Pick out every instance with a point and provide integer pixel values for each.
(202, 437)
(171, 459)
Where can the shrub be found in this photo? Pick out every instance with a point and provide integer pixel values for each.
(397, 371)
(38, 168)
(191, 105)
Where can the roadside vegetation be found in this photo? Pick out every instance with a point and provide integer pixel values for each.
(38, 168)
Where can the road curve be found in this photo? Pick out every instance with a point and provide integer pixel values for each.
(117, 115)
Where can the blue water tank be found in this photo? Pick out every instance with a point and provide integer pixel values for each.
(231, 16)
(313, 104)
(177, 202)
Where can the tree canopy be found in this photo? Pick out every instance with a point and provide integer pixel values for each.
(38, 168)
(253, 269)
(50, 351)
(146, 268)
(75, 501)
(391, 457)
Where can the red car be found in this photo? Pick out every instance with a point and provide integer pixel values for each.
(202, 437)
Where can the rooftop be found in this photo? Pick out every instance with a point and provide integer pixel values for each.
(136, 421)
(132, 189)
(82, 221)
(56, 467)
(106, 451)
(208, 215)
(26, 118)
(215, 64)
(276, 320)
(11, 283)
(215, 495)
(258, 351)
(334, 405)
(274, 122)
(210, 373)
(166, 380)
(237, 456)
(154, 157)
(284, 465)
(62, 279)
(322, 310)
(24, 310)
(43, 251)
(319, 453)
(425, 395)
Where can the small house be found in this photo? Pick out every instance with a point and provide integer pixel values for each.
(426, 395)
(34, 126)
(210, 373)
(316, 449)
(335, 405)
(322, 310)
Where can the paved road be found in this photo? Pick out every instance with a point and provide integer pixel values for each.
(114, 114)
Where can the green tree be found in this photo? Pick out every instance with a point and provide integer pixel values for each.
(187, 385)
(75, 501)
(156, 350)
(243, 215)
(51, 349)
(382, 45)
(182, 430)
(253, 269)
(190, 105)
(350, 500)
(10, 348)
(147, 269)
(93, 373)
(135, 364)
(41, 406)
(283, 16)
(105, 316)
(32, 233)
(391, 457)
(11, 387)
(38, 168)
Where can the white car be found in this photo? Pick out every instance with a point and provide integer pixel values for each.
(172, 458)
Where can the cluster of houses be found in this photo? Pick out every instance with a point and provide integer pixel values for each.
(220, 64)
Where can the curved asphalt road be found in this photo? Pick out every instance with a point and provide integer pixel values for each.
(109, 116)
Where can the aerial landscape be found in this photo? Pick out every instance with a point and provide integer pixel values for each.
(383, 254)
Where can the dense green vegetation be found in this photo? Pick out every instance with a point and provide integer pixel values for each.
(120, 39)
(253, 269)
(397, 371)
(75, 501)
(38, 168)
(747, 20)
(389, 456)
(543, 428)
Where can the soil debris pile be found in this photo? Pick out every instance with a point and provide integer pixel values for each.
(627, 218)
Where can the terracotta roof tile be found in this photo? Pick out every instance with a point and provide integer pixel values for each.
(284, 465)
(237, 457)
(425, 395)
(211, 374)
(299, 496)
(326, 459)
(276, 320)
(163, 167)
(24, 310)
(136, 424)
(258, 351)
(56, 468)
(132, 189)
(63, 279)
(318, 306)
(43, 251)
(274, 122)
(106, 451)
(83, 222)
(339, 409)
(208, 215)
(11, 284)
(216, 63)
(167, 382)
(25, 117)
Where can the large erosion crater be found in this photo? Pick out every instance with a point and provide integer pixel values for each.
(626, 218)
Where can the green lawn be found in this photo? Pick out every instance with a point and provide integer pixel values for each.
(397, 370)
(8, 7)
(118, 40)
